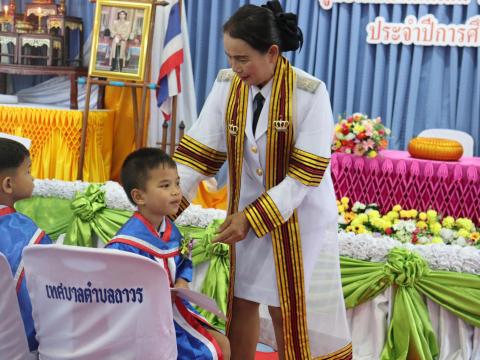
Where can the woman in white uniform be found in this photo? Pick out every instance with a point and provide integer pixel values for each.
(274, 124)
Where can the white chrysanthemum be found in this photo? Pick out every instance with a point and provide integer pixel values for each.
(358, 206)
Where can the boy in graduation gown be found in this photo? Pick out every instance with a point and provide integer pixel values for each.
(17, 230)
(150, 179)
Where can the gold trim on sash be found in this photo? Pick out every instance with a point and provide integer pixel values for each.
(263, 215)
(235, 119)
(198, 156)
(285, 237)
(306, 167)
(344, 353)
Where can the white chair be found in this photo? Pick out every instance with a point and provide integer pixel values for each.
(8, 99)
(99, 304)
(462, 137)
(13, 342)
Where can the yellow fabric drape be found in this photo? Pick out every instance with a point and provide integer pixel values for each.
(55, 136)
(119, 99)
(206, 198)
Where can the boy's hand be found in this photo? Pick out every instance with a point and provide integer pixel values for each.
(180, 283)
(234, 228)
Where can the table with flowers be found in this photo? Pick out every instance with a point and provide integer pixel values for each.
(393, 177)
(363, 170)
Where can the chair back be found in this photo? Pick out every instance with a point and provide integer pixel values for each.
(462, 137)
(99, 304)
(13, 341)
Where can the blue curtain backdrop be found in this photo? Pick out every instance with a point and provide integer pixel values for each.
(83, 9)
(411, 87)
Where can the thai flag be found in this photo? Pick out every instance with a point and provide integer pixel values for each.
(172, 57)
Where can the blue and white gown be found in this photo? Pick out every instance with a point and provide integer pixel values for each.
(140, 237)
(18, 231)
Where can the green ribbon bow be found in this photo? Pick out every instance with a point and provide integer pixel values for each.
(410, 331)
(87, 213)
(92, 215)
(215, 284)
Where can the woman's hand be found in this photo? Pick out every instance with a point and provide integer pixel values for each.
(234, 228)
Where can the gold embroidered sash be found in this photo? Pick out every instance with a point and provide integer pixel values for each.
(285, 235)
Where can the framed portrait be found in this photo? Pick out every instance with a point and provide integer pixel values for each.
(120, 39)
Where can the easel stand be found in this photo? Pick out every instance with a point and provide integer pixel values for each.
(138, 116)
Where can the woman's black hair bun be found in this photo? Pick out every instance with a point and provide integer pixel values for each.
(291, 34)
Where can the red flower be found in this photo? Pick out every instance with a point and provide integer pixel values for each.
(414, 239)
(350, 119)
(361, 136)
(345, 130)
(388, 231)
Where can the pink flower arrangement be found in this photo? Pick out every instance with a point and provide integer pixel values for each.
(360, 135)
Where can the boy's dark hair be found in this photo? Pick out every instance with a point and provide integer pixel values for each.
(136, 167)
(12, 154)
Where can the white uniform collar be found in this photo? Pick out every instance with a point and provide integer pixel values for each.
(162, 227)
(265, 90)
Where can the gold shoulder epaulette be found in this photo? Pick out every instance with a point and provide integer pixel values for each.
(307, 84)
(225, 75)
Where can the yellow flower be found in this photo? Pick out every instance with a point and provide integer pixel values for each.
(387, 224)
(432, 215)
(397, 208)
(435, 228)
(463, 233)
(341, 209)
(372, 154)
(448, 222)
(338, 202)
(349, 228)
(344, 200)
(373, 214)
(422, 216)
(338, 128)
(392, 215)
(465, 223)
(475, 236)
(363, 217)
(359, 229)
(357, 128)
(349, 216)
(404, 214)
(422, 225)
(413, 213)
(437, 240)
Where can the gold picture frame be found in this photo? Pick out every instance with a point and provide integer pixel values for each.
(120, 39)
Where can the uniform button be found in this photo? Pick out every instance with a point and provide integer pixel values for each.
(259, 172)
(254, 149)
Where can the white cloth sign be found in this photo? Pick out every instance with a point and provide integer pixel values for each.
(99, 304)
(13, 342)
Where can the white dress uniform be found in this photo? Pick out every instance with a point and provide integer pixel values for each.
(255, 275)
